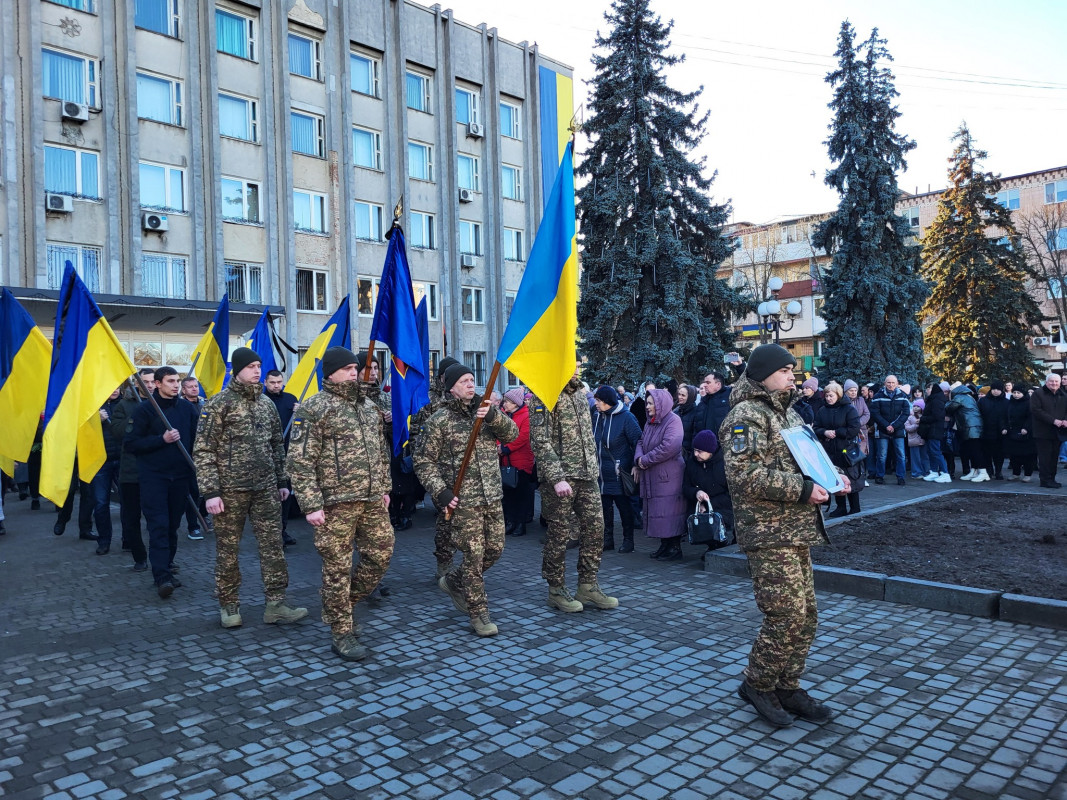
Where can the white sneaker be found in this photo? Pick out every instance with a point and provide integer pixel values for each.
(931, 476)
(969, 476)
(943, 477)
(981, 476)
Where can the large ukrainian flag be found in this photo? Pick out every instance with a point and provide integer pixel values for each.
(209, 357)
(306, 379)
(25, 356)
(87, 364)
(556, 103)
(539, 342)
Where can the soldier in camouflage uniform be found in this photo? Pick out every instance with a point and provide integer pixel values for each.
(567, 467)
(240, 465)
(442, 534)
(777, 519)
(478, 516)
(339, 467)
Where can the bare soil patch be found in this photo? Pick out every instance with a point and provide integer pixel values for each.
(1006, 542)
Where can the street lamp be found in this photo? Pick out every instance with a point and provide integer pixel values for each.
(770, 311)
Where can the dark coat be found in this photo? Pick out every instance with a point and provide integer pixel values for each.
(1047, 406)
(616, 434)
(145, 439)
(285, 404)
(711, 411)
(890, 410)
(964, 408)
(843, 419)
(112, 443)
(1019, 419)
(121, 425)
(932, 422)
(687, 413)
(994, 411)
(659, 456)
(710, 476)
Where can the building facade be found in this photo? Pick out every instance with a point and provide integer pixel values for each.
(176, 150)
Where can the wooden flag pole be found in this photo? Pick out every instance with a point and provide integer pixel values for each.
(366, 367)
(469, 452)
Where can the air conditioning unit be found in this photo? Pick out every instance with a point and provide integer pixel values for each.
(1042, 341)
(154, 222)
(466, 196)
(468, 261)
(59, 203)
(75, 112)
(475, 130)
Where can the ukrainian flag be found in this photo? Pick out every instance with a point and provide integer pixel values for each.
(209, 357)
(87, 364)
(556, 111)
(306, 379)
(539, 342)
(261, 344)
(25, 356)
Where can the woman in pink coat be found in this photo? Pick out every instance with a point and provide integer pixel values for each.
(658, 467)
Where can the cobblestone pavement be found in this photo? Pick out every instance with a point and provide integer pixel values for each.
(109, 692)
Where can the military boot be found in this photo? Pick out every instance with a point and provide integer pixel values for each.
(442, 570)
(347, 646)
(559, 597)
(230, 615)
(458, 600)
(766, 704)
(278, 611)
(799, 702)
(482, 625)
(589, 594)
(627, 545)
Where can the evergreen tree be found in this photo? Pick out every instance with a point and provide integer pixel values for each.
(872, 289)
(650, 305)
(972, 256)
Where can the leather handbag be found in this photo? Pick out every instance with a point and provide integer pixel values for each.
(706, 527)
(509, 475)
(853, 453)
(626, 481)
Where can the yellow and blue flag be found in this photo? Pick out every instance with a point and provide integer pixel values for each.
(539, 342)
(213, 350)
(87, 364)
(306, 380)
(556, 111)
(395, 325)
(25, 356)
(261, 342)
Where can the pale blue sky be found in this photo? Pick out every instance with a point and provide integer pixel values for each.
(1001, 66)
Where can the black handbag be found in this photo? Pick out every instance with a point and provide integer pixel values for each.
(509, 476)
(853, 453)
(628, 484)
(706, 527)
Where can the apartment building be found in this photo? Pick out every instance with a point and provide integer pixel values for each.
(176, 150)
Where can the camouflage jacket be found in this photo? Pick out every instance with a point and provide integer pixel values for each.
(239, 446)
(769, 492)
(438, 398)
(562, 439)
(337, 449)
(441, 447)
(384, 402)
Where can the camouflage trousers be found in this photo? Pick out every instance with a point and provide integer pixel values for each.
(785, 593)
(478, 533)
(581, 513)
(264, 509)
(443, 549)
(364, 526)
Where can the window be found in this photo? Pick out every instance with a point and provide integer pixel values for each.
(310, 290)
(1009, 198)
(308, 134)
(305, 57)
(420, 161)
(367, 148)
(237, 117)
(368, 221)
(473, 310)
(418, 92)
(163, 275)
(240, 200)
(467, 173)
(509, 121)
(511, 182)
(912, 217)
(429, 291)
(162, 187)
(366, 295)
(513, 250)
(244, 282)
(85, 260)
(70, 78)
(470, 238)
(435, 359)
(365, 72)
(77, 5)
(159, 16)
(159, 99)
(70, 171)
(235, 34)
(309, 211)
(420, 234)
(1057, 240)
(466, 106)
(789, 234)
(476, 361)
(1056, 192)
(509, 304)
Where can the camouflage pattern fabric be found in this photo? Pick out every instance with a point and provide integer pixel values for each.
(478, 533)
(363, 526)
(443, 548)
(239, 445)
(562, 437)
(585, 508)
(337, 449)
(264, 509)
(785, 594)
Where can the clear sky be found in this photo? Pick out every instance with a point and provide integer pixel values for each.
(1002, 67)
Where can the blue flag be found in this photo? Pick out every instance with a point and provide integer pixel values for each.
(262, 343)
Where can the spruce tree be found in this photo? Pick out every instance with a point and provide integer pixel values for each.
(872, 289)
(979, 305)
(651, 239)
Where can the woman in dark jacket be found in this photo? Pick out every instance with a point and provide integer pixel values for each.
(837, 424)
(994, 410)
(963, 406)
(932, 430)
(1019, 444)
(705, 478)
(518, 499)
(616, 434)
(686, 408)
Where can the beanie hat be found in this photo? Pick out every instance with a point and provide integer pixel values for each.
(851, 384)
(768, 359)
(444, 364)
(517, 396)
(454, 373)
(920, 403)
(607, 395)
(242, 357)
(361, 359)
(336, 358)
(811, 383)
(906, 388)
(998, 385)
(706, 441)
(944, 386)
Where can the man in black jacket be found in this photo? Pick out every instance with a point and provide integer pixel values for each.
(286, 404)
(108, 474)
(166, 476)
(890, 409)
(1048, 405)
(714, 405)
(129, 476)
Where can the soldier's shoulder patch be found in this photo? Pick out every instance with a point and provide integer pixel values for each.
(203, 414)
(297, 431)
(739, 438)
(538, 412)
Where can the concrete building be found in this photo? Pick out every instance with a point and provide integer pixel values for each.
(175, 150)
